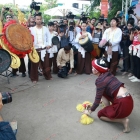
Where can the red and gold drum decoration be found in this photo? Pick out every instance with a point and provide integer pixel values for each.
(18, 38)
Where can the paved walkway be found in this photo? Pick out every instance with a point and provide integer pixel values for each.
(47, 110)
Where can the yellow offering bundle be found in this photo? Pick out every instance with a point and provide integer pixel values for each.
(85, 119)
(82, 107)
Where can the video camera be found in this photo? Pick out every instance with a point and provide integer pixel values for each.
(136, 28)
(61, 25)
(131, 9)
(101, 19)
(34, 5)
(84, 17)
(71, 25)
(6, 97)
(7, 8)
(70, 15)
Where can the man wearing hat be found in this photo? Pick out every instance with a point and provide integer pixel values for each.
(110, 89)
(96, 37)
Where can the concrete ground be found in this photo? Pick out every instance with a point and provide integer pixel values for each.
(47, 110)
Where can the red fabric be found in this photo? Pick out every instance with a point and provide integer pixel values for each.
(11, 48)
(99, 68)
(135, 40)
(94, 54)
(119, 109)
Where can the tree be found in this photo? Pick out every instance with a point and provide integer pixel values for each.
(116, 6)
(50, 4)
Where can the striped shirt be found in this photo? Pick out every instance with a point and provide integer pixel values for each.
(107, 84)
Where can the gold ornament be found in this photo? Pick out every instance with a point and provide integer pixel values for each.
(33, 55)
(21, 16)
(15, 63)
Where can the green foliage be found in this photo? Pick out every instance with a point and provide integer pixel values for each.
(95, 14)
(50, 4)
(94, 3)
(116, 6)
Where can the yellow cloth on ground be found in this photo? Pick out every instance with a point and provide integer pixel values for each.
(85, 119)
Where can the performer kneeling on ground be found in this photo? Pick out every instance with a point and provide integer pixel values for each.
(65, 61)
(110, 89)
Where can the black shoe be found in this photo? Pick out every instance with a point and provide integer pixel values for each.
(123, 70)
(40, 73)
(23, 74)
(13, 75)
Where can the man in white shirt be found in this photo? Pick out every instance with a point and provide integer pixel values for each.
(53, 50)
(42, 42)
(113, 35)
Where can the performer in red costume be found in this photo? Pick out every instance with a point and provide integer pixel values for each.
(110, 89)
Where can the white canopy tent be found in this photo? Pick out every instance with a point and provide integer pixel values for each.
(62, 11)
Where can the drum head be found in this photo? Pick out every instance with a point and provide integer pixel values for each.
(5, 60)
(55, 40)
(83, 41)
(19, 37)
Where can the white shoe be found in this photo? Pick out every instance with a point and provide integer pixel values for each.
(130, 74)
(135, 80)
(124, 73)
(132, 77)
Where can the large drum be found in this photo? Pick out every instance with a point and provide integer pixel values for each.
(55, 40)
(86, 44)
(18, 38)
(5, 60)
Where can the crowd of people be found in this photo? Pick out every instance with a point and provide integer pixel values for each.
(120, 36)
(108, 40)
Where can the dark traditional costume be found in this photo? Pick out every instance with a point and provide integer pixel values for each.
(108, 86)
(84, 57)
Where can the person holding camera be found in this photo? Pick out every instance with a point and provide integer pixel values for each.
(125, 43)
(84, 57)
(83, 18)
(42, 42)
(6, 131)
(8, 14)
(97, 36)
(72, 31)
(134, 50)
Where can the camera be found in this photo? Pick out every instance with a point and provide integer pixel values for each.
(7, 8)
(6, 97)
(71, 26)
(101, 19)
(131, 9)
(84, 17)
(135, 29)
(126, 34)
(70, 15)
(34, 5)
(61, 25)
